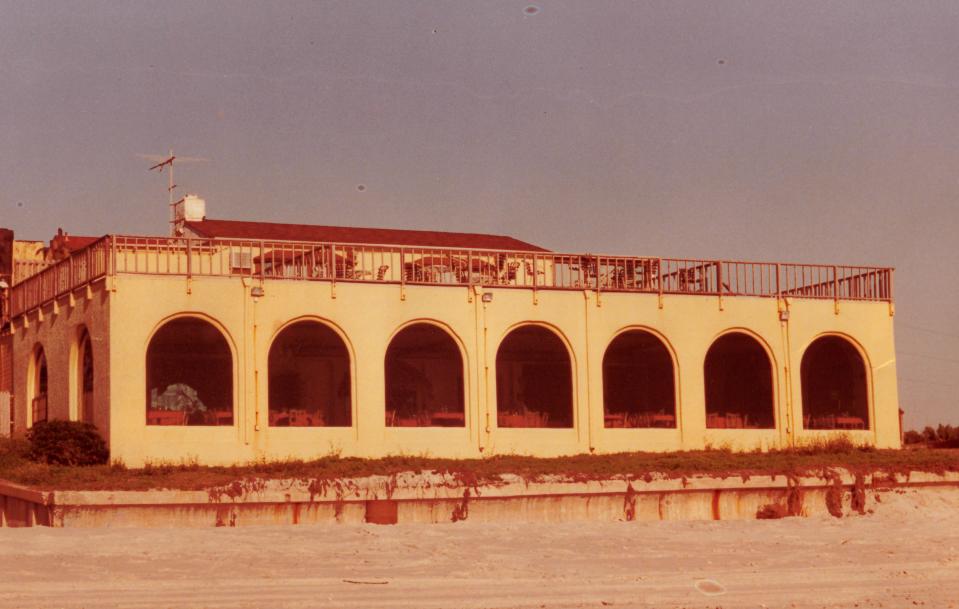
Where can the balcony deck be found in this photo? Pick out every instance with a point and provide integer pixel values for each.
(344, 262)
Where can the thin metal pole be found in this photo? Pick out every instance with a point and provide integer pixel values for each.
(835, 287)
(262, 259)
(469, 268)
(333, 263)
(596, 272)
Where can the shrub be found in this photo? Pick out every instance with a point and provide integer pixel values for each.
(67, 443)
(12, 452)
(840, 444)
(912, 437)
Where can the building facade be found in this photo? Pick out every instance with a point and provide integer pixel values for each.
(236, 341)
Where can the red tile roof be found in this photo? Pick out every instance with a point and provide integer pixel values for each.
(76, 242)
(64, 244)
(344, 234)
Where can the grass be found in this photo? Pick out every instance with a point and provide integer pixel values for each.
(814, 459)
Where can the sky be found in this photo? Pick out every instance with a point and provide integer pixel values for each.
(821, 132)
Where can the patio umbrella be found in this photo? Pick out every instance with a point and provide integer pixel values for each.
(435, 261)
(319, 255)
(479, 265)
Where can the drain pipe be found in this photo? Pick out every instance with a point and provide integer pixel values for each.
(589, 418)
(256, 292)
(783, 306)
(243, 355)
(482, 370)
(486, 372)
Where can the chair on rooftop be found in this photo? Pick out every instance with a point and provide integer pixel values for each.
(509, 275)
(534, 275)
(615, 278)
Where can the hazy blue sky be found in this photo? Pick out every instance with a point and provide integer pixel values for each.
(800, 131)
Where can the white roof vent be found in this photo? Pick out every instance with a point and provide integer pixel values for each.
(190, 208)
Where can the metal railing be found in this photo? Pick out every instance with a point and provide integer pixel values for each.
(84, 266)
(344, 262)
(23, 269)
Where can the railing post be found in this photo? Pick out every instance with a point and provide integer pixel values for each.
(599, 300)
(262, 261)
(189, 258)
(402, 270)
(719, 282)
(892, 302)
(333, 263)
(835, 289)
(535, 264)
(778, 287)
(112, 262)
(659, 280)
(469, 271)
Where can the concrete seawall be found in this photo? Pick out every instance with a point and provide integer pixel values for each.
(437, 498)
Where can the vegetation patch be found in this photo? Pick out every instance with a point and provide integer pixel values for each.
(68, 443)
(819, 460)
(942, 436)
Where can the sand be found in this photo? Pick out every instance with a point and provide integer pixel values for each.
(904, 554)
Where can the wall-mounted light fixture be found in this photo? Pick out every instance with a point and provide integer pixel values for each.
(256, 291)
(487, 297)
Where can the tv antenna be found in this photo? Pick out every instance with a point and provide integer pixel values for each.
(163, 161)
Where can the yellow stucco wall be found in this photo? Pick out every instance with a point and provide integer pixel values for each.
(57, 328)
(121, 313)
(367, 315)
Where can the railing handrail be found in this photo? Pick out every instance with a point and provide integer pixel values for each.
(559, 270)
(541, 253)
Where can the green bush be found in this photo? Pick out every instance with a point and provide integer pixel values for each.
(912, 437)
(67, 443)
(13, 451)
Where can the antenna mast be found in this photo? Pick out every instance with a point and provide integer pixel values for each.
(167, 161)
(159, 167)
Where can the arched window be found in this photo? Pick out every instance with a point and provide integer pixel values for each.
(424, 379)
(534, 380)
(189, 375)
(834, 386)
(85, 378)
(309, 377)
(638, 382)
(40, 386)
(739, 384)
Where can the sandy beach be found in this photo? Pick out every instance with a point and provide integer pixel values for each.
(906, 553)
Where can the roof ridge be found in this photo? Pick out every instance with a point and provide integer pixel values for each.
(338, 226)
(245, 229)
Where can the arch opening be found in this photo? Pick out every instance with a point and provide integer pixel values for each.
(189, 375)
(39, 404)
(834, 394)
(534, 380)
(85, 379)
(639, 387)
(424, 379)
(739, 385)
(309, 378)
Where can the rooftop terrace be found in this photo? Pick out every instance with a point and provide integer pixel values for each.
(407, 265)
